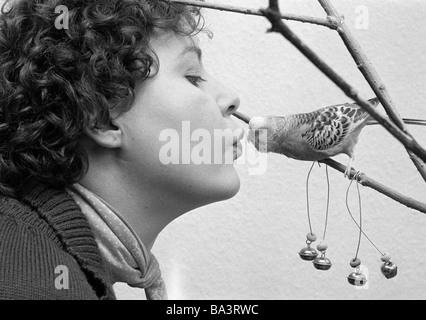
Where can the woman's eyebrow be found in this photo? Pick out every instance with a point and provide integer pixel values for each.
(192, 48)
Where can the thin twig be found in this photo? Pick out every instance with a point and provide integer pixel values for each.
(241, 116)
(371, 75)
(255, 12)
(273, 15)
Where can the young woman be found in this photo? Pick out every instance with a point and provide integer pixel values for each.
(88, 91)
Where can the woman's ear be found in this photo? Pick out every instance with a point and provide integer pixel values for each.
(109, 136)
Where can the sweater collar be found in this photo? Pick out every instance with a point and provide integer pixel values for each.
(64, 216)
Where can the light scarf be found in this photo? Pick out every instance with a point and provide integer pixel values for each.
(127, 258)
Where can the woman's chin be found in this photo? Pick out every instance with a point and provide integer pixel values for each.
(205, 185)
(224, 186)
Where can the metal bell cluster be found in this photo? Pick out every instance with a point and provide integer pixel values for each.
(310, 254)
(356, 278)
(388, 268)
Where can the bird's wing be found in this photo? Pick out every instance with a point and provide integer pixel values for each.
(330, 126)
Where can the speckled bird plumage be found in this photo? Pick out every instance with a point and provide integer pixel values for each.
(316, 135)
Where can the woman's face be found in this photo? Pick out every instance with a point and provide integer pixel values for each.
(172, 134)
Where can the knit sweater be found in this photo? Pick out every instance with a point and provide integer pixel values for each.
(47, 249)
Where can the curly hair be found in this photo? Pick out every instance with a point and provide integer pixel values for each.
(56, 82)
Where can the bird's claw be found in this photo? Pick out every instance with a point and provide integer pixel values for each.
(348, 169)
(347, 173)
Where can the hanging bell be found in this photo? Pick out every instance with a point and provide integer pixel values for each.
(308, 253)
(322, 263)
(357, 279)
(389, 269)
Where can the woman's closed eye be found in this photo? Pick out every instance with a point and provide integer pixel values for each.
(195, 80)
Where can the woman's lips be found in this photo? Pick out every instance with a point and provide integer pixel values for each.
(239, 135)
(238, 149)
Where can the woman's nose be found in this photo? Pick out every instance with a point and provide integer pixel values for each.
(227, 99)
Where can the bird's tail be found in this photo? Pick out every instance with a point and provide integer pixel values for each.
(414, 122)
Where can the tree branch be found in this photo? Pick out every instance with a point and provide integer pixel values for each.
(371, 75)
(370, 183)
(222, 7)
(420, 165)
(273, 15)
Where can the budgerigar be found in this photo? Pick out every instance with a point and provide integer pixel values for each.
(313, 136)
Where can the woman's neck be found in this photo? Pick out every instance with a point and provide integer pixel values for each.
(146, 209)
